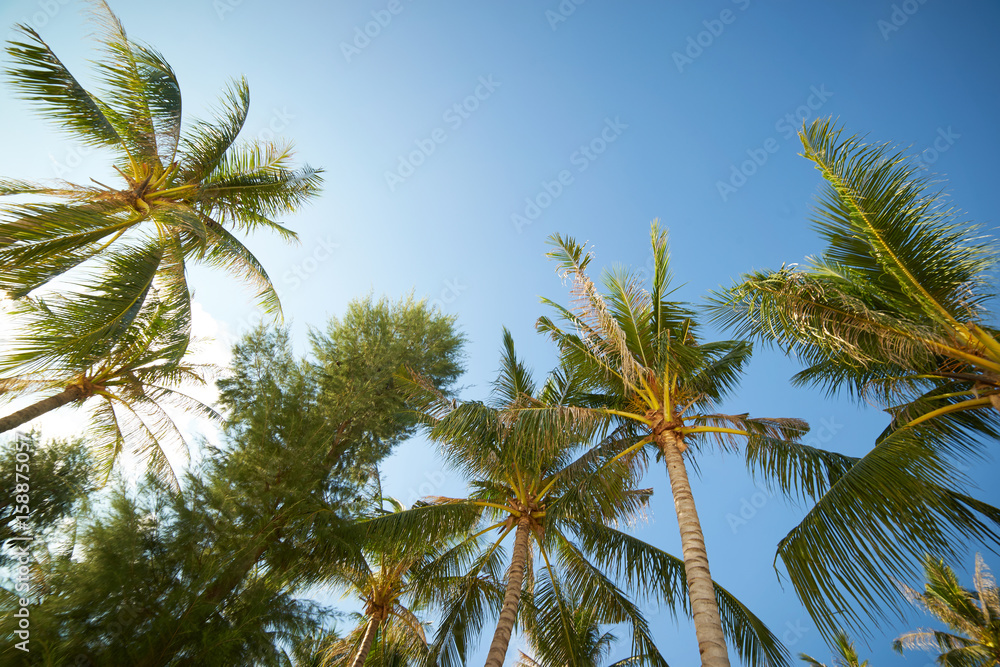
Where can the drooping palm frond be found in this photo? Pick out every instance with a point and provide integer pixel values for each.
(655, 574)
(562, 630)
(892, 312)
(41, 77)
(134, 373)
(872, 524)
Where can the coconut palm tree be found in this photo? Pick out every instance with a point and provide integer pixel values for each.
(895, 306)
(893, 313)
(973, 617)
(563, 631)
(846, 654)
(132, 375)
(656, 379)
(182, 195)
(560, 498)
(382, 581)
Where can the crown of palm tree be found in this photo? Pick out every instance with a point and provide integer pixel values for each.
(895, 305)
(136, 374)
(388, 630)
(846, 654)
(562, 630)
(973, 615)
(183, 191)
(649, 373)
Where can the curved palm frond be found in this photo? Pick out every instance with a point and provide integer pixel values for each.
(872, 525)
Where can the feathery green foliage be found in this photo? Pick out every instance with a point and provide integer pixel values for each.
(894, 308)
(529, 461)
(209, 574)
(973, 616)
(133, 374)
(846, 654)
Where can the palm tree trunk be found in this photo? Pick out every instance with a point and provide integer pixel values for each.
(701, 591)
(511, 600)
(68, 395)
(366, 643)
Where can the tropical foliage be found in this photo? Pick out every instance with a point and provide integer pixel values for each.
(541, 479)
(134, 374)
(212, 573)
(382, 581)
(184, 191)
(640, 353)
(216, 570)
(565, 631)
(973, 616)
(891, 312)
(846, 655)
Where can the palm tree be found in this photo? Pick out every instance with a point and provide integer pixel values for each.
(895, 306)
(847, 655)
(893, 312)
(560, 498)
(563, 631)
(182, 196)
(382, 581)
(135, 374)
(973, 615)
(658, 381)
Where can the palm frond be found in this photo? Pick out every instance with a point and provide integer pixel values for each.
(873, 525)
(41, 77)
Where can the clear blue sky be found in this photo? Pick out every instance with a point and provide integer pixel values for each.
(642, 109)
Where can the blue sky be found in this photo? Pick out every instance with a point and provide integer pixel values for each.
(455, 137)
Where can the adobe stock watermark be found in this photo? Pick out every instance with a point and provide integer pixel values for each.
(581, 158)
(794, 632)
(787, 125)
(452, 290)
(223, 7)
(363, 35)
(563, 11)
(302, 269)
(47, 10)
(74, 158)
(942, 143)
(21, 551)
(714, 27)
(433, 482)
(898, 17)
(749, 507)
(280, 120)
(454, 116)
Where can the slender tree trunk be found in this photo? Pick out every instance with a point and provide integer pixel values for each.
(511, 600)
(705, 609)
(366, 643)
(15, 419)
